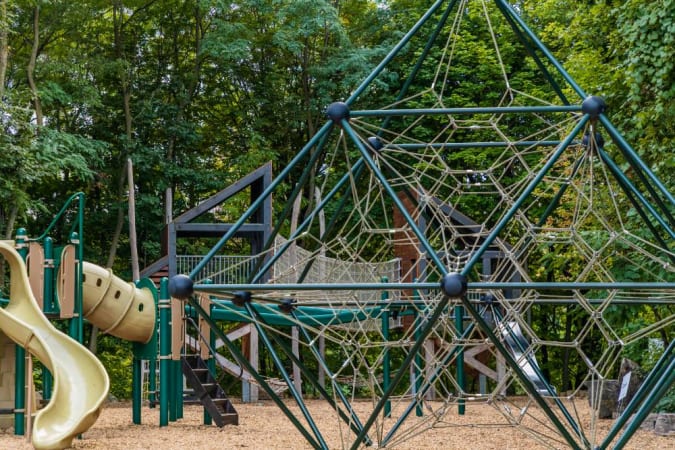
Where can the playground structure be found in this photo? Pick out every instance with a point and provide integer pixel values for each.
(545, 189)
(50, 284)
(423, 264)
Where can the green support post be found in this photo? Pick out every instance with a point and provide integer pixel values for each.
(49, 304)
(152, 382)
(386, 363)
(20, 391)
(211, 363)
(47, 383)
(77, 322)
(417, 367)
(136, 390)
(173, 383)
(164, 351)
(142, 352)
(20, 356)
(178, 388)
(645, 390)
(666, 379)
(459, 326)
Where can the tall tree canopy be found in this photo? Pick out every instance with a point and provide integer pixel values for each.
(199, 92)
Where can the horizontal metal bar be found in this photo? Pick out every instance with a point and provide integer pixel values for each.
(402, 305)
(487, 144)
(465, 111)
(435, 285)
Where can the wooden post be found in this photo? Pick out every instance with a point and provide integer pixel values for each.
(29, 396)
(135, 271)
(36, 274)
(253, 359)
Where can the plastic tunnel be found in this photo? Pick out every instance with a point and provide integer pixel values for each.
(117, 307)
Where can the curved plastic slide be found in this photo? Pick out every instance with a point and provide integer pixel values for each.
(80, 380)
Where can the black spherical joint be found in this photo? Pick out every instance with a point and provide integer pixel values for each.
(454, 284)
(593, 106)
(337, 111)
(240, 298)
(599, 140)
(181, 287)
(375, 143)
(488, 298)
(287, 305)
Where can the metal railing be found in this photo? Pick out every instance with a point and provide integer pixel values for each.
(221, 269)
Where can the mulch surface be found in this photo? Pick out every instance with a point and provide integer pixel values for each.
(264, 426)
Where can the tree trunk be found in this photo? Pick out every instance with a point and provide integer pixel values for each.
(135, 270)
(4, 47)
(31, 68)
(9, 231)
(118, 24)
(93, 340)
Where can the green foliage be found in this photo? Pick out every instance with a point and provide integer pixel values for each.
(116, 357)
(198, 93)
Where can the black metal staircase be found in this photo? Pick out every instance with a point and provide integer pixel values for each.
(208, 392)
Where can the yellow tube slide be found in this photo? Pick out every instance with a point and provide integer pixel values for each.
(115, 306)
(80, 381)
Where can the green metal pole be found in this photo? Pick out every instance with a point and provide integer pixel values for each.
(211, 364)
(645, 389)
(461, 382)
(47, 383)
(77, 240)
(634, 159)
(136, 390)
(178, 389)
(477, 255)
(164, 351)
(386, 363)
(297, 190)
(430, 252)
(397, 48)
(662, 387)
(19, 390)
(227, 289)
(152, 382)
(485, 144)
(258, 202)
(424, 332)
(21, 242)
(629, 188)
(417, 367)
(262, 333)
(427, 385)
(243, 361)
(352, 420)
(464, 111)
(507, 8)
(528, 45)
(300, 229)
(48, 305)
(403, 92)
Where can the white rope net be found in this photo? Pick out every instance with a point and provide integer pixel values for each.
(457, 196)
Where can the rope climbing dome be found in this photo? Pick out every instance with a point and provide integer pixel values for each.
(441, 228)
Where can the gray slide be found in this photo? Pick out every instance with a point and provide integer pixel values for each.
(514, 339)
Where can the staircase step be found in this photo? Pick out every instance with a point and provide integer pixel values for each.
(208, 391)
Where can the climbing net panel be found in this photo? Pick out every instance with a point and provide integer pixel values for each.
(455, 236)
